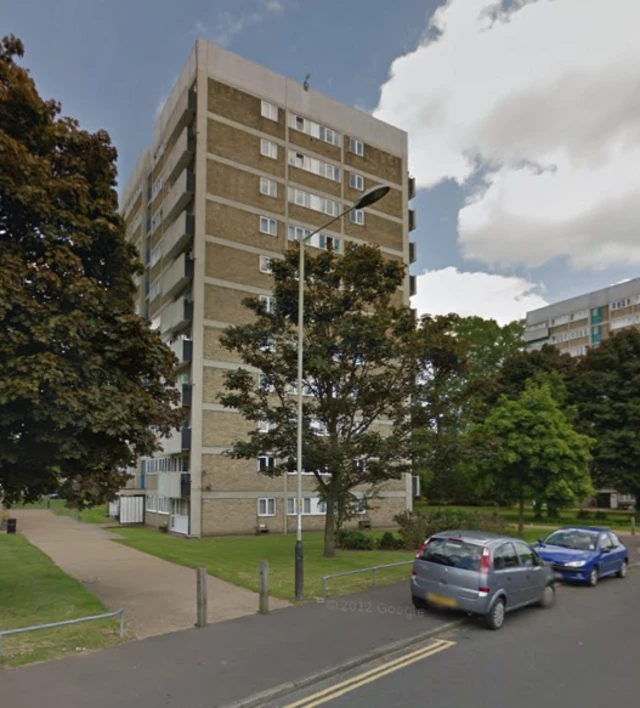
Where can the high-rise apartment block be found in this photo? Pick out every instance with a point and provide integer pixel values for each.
(580, 323)
(243, 162)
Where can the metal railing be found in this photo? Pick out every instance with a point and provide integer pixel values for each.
(52, 625)
(373, 569)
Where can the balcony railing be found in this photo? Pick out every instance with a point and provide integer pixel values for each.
(179, 234)
(185, 484)
(182, 114)
(179, 195)
(180, 156)
(178, 275)
(183, 349)
(176, 315)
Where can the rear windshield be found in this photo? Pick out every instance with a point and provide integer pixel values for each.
(456, 554)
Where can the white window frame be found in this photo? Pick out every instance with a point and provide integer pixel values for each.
(314, 165)
(319, 428)
(312, 201)
(266, 463)
(155, 291)
(156, 254)
(268, 226)
(327, 135)
(357, 181)
(296, 233)
(152, 503)
(266, 506)
(268, 148)
(157, 187)
(265, 264)
(269, 303)
(163, 505)
(357, 217)
(156, 220)
(268, 110)
(268, 187)
(356, 147)
(265, 426)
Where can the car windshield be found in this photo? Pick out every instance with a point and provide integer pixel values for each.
(454, 553)
(574, 538)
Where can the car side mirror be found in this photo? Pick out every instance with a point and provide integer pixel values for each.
(541, 542)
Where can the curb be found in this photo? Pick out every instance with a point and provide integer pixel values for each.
(260, 699)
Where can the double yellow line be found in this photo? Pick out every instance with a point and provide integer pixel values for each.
(329, 694)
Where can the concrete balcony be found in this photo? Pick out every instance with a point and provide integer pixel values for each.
(183, 349)
(413, 252)
(179, 274)
(176, 315)
(180, 156)
(179, 195)
(182, 114)
(412, 220)
(177, 442)
(411, 183)
(179, 234)
(413, 287)
(535, 335)
(169, 484)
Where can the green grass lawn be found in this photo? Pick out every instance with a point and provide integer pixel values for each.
(33, 590)
(237, 560)
(615, 519)
(98, 515)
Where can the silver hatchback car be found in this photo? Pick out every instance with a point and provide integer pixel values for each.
(480, 573)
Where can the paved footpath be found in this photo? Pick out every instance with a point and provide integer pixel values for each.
(158, 596)
(227, 661)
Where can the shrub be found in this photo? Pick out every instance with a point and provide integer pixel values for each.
(355, 540)
(389, 542)
(416, 527)
(584, 514)
(601, 516)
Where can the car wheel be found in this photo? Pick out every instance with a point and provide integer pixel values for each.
(548, 596)
(594, 576)
(624, 569)
(418, 603)
(495, 619)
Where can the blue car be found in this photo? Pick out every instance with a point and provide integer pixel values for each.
(584, 554)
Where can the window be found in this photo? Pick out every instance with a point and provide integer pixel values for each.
(357, 181)
(606, 542)
(268, 110)
(157, 220)
(163, 505)
(453, 553)
(619, 304)
(505, 557)
(159, 152)
(322, 506)
(268, 149)
(356, 147)
(268, 346)
(265, 385)
(313, 201)
(526, 553)
(156, 290)
(309, 506)
(266, 506)
(152, 503)
(268, 187)
(157, 187)
(319, 428)
(266, 463)
(156, 255)
(269, 303)
(268, 226)
(311, 164)
(265, 426)
(265, 264)
(357, 217)
(361, 506)
(314, 129)
(615, 541)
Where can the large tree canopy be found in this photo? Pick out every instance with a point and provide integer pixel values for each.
(606, 391)
(537, 452)
(359, 372)
(84, 384)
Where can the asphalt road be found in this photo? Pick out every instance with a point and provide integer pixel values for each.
(583, 651)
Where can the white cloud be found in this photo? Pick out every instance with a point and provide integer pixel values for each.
(543, 101)
(498, 297)
(229, 25)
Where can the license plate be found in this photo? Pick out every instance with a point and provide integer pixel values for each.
(442, 600)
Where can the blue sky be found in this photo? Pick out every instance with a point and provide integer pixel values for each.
(111, 63)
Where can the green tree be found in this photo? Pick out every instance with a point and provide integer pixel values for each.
(537, 452)
(84, 383)
(606, 391)
(359, 368)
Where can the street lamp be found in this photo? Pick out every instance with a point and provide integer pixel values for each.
(367, 199)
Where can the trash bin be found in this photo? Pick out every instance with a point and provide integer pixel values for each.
(11, 525)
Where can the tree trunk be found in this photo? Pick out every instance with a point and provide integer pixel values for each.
(330, 530)
(521, 513)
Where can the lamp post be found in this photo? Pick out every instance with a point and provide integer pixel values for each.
(367, 199)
